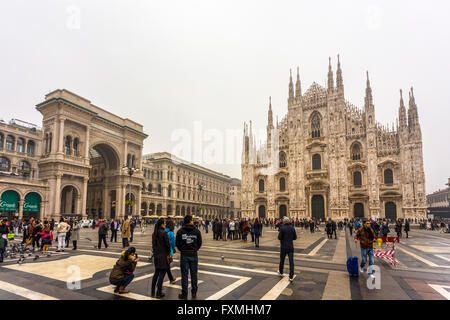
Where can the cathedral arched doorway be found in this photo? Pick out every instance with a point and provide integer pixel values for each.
(358, 210)
(262, 212)
(318, 207)
(282, 211)
(101, 195)
(390, 210)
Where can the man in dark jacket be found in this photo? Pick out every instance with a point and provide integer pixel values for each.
(132, 227)
(333, 229)
(188, 241)
(287, 235)
(114, 227)
(102, 232)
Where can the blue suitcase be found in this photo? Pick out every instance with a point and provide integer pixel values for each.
(352, 266)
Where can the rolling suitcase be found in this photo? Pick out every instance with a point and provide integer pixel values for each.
(352, 266)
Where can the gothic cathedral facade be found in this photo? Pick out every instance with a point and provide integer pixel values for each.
(328, 158)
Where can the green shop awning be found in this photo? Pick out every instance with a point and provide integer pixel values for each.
(32, 202)
(9, 201)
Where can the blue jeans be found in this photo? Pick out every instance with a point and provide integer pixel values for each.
(364, 254)
(186, 264)
(127, 278)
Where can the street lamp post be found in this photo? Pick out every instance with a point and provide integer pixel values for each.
(200, 188)
(130, 171)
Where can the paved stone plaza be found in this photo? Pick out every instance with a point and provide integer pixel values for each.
(245, 272)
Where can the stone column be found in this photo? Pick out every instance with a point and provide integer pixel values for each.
(86, 146)
(119, 202)
(61, 136)
(57, 196)
(105, 203)
(138, 202)
(21, 202)
(84, 198)
(42, 210)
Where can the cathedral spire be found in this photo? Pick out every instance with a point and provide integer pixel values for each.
(330, 76)
(298, 88)
(291, 86)
(339, 81)
(402, 111)
(369, 99)
(270, 114)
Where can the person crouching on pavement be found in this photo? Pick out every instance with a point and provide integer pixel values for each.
(366, 237)
(122, 272)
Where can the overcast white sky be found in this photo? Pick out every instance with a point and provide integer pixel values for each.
(166, 64)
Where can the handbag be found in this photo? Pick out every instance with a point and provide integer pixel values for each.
(169, 259)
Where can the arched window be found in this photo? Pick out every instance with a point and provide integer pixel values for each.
(316, 162)
(5, 164)
(2, 137)
(143, 186)
(282, 184)
(133, 161)
(10, 143)
(153, 174)
(76, 142)
(20, 145)
(169, 191)
(315, 126)
(68, 143)
(388, 176)
(24, 169)
(357, 181)
(282, 158)
(30, 148)
(150, 187)
(356, 152)
(261, 185)
(50, 142)
(129, 160)
(159, 189)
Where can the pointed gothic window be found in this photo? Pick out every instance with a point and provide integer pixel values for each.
(282, 184)
(356, 152)
(282, 159)
(357, 181)
(261, 185)
(388, 176)
(315, 126)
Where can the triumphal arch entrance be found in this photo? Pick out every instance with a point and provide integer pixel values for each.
(85, 150)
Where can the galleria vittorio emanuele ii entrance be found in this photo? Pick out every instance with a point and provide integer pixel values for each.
(85, 149)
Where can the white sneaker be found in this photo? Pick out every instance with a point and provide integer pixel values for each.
(279, 273)
(361, 270)
(372, 276)
(291, 279)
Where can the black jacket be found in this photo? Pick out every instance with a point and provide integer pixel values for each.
(287, 235)
(161, 249)
(188, 240)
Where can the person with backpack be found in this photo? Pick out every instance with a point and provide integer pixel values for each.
(366, 237)
(350, 227)
(384, 229)
(406, 228)
(188, 241)
(102, 233)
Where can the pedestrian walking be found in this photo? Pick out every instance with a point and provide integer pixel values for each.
(161, 257)
(287, 235)
(75, 234)
(245, 230)
(366, 237)
(114, 227)
(328, 228)
(61, 230)
(398, 228)
(122, 272)
(384, 229)
(350, 227)
(188, 242)
(125, 232)
(3, 245)
(224, 229)
(257, 226)
(406, 228)
(132, 227)
(102, 233)
(169, 229)
(333, 229)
